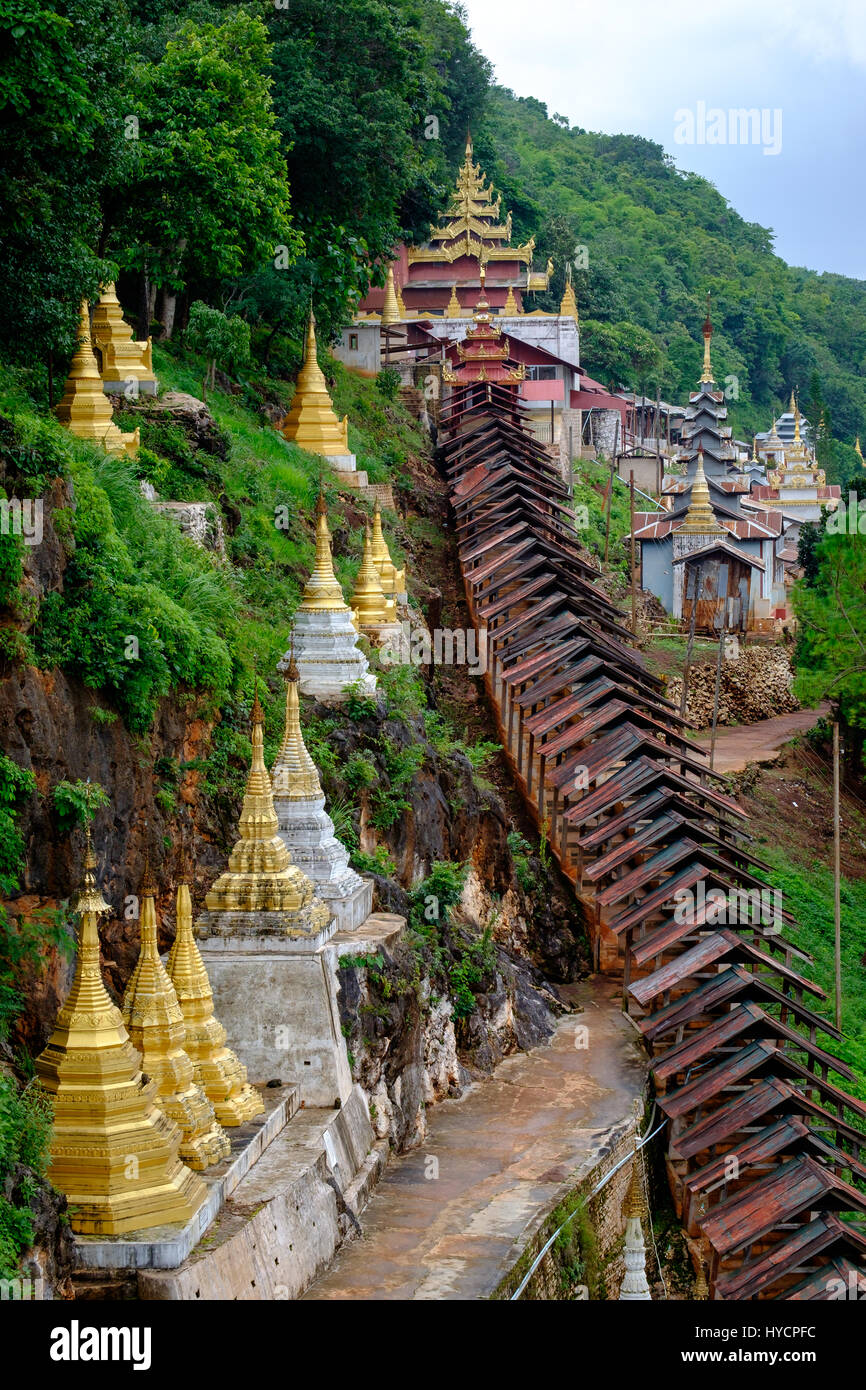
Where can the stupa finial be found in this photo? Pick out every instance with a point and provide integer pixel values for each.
(707, 373)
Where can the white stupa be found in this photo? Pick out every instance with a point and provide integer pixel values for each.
(305, 827)
(324, 636)
(634, 1287)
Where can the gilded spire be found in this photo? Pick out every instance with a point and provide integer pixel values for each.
(402, 311)
(510, 305)
(635, 1203)
(294, 775)
(374, 610)
(707, 373)
(84, 408)
(261, 876)
(216, 1068)
(393, 580)
(453, 309)
(701, 1291)
(700, 518)
(569, 299)
(390, 308)
(113, 1152)
(154, 1020)
(322, 590)
(858, 451)
(796, 451)
(311, 422)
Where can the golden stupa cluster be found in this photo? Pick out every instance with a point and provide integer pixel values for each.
(140, 1097)
(261, 876)
(126, 367)
(378, 583)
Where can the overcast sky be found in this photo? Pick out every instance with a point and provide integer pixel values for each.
(635, 66)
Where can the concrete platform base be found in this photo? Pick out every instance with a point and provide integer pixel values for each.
(165, 1247)
(289, 1215)
(279, 1009)
(351, 911)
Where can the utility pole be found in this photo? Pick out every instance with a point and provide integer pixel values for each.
(837, 875)
(609, 497)
(631, 537)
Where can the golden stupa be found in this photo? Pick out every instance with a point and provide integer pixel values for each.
(295, 776)
(393, 580)
(371, 606)
(858, 451)
(510, 305)
(700, 519)
(114, 1153)
(311, 422)
(125, 360)
(222, 1077)
(84, 407)
(155, 1024)
(322, 590)
(261, 876)
(402, 311)
(569, 299)
(390, 307)
(452, 308)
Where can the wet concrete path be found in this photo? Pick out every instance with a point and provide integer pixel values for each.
(451, 1218)
(761, 742)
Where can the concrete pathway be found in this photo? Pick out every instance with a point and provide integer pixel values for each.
(450, 1219)
(761, 742)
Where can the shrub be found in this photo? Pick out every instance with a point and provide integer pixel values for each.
(25, 1135)
(388, 382)
(76, 803)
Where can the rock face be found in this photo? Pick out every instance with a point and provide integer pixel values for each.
(193, 417)
(200, 521)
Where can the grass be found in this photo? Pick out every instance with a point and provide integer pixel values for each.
(807, 890)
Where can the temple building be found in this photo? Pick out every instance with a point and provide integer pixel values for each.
(324, 636)
(127, 363)
(84, 408)
(705, 545)
(795, 485)
(305, 827)
(114, 1152)
(428, 303)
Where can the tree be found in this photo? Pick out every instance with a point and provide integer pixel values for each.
(61, 137)
(209, 196)
(831, 650)
(221, 339)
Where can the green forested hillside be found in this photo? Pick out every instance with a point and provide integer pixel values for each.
(656, 241)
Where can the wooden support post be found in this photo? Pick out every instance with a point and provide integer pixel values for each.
(837, 876)
(633, 578)
(718, 687)
(688, 666)
(607, 504)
